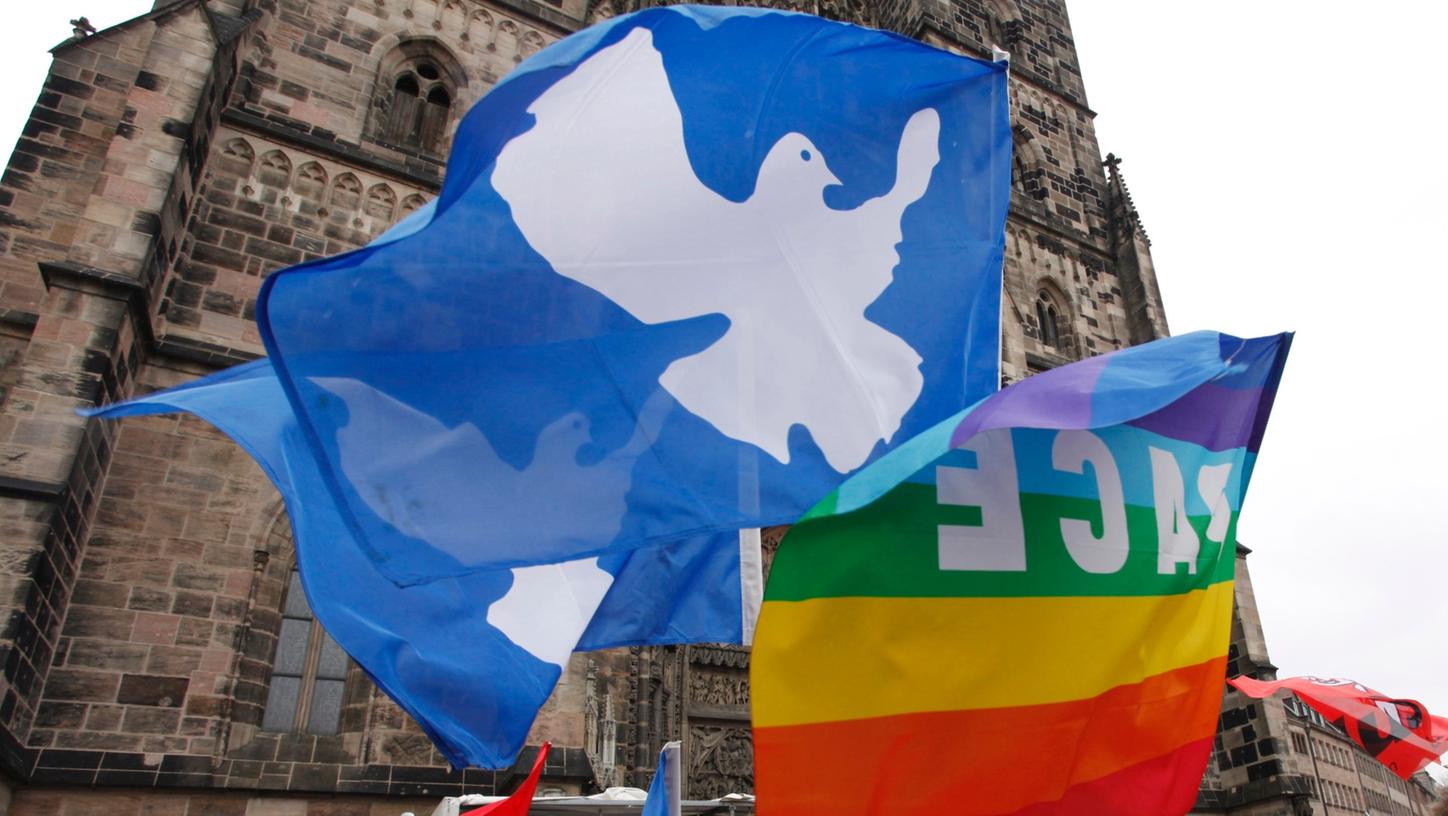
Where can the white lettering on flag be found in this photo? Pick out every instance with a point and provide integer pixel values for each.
(1177, 542)
(1070, 452)
(1212, 486)
(999, 543)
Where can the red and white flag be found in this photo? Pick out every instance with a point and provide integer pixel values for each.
(1399, 733)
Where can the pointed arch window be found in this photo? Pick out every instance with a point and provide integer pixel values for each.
(420, 107)
(309, 673)
(1048, 318)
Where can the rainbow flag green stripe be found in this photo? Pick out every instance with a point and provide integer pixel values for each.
(845, 553)
(1020, 619)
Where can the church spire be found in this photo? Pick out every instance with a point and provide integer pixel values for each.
(1132, 250)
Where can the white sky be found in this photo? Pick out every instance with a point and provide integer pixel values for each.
(1288, 161)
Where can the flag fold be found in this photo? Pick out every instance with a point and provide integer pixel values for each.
(471, 658)
(689, 267)
(665, 792)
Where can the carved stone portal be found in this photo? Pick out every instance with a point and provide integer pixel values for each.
(717, 740)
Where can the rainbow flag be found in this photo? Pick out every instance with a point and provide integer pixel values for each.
(1025, 609)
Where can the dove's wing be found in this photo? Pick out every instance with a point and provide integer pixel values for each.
(602, 188)
(408, 486)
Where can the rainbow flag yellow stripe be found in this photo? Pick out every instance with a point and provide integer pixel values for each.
(900, 661)
(1017, 620)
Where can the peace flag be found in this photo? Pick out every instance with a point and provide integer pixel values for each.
(1399, 733)
(689, 268)
(1026, 609)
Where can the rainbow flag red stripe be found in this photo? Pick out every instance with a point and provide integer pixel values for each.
(1026, 610)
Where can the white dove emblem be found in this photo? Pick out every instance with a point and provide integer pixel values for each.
(603, 189)
(412, 487)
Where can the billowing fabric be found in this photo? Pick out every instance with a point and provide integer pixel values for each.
(688, 269)
(1025, 610)
(666, 791)
(1399, 733)
(521, 800)
(471, 658)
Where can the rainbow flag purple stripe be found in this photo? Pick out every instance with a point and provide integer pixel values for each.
(1027, 608)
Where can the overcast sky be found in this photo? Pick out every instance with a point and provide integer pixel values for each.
(1288, 161)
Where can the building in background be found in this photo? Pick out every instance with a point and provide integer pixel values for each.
(157, 656)
(1276, 757)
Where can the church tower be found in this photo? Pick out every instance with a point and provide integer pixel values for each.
(157, 654)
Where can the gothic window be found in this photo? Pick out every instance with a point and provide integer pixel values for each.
(421, 104)
(309, 673)
(1049, 318)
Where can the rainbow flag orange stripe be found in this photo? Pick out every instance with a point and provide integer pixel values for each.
(1018, 619)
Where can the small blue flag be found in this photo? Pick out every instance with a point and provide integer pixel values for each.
(688, 270)
(665, 792)
(471, 658)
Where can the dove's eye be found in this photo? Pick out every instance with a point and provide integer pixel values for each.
(804, 154)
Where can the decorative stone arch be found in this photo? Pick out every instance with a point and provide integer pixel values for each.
(479, 29)
(416, 95)
(346, 195)
(1028, 165)
(381, 204)
(273, 559)
(530, 43)
(1015, 243)
(410, 205)
(1004, 25)
(274, 170)
(1052, 315)
(602, 10)
(452, 17)
(311, 182)
(237, 156)
(506, 39)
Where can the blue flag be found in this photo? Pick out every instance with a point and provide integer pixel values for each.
(471, 658)
(688, 270)
(665, 792)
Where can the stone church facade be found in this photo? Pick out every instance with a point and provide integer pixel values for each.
(155, 657)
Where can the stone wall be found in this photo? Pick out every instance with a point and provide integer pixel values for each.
(174, 161)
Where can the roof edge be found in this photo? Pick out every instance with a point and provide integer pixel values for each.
(152, 15)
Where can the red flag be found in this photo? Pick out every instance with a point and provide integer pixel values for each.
(522, 798)
(1401, 734)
